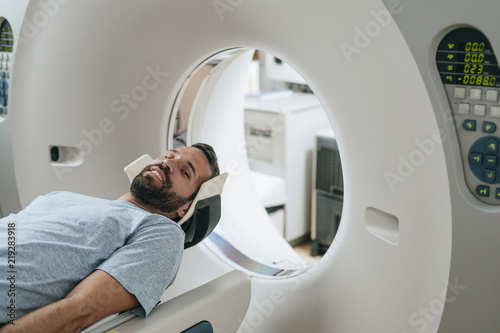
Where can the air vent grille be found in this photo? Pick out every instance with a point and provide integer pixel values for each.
(328, 166)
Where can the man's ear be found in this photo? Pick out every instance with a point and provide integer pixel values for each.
(183, 209)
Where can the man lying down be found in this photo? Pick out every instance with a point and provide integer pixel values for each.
(79, 259)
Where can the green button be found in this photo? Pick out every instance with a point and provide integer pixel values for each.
(476, 158)
(483, 191)
(490, 175)
(491, 160)
(469, 125)
(489, 127)
(492, 146)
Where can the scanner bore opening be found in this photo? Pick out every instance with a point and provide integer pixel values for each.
(320, 195)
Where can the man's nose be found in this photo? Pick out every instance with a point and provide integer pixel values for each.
(169, 163)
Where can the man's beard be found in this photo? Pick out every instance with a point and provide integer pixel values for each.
(164, 198)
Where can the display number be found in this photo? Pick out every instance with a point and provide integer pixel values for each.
(473, 69)
(474, 47)
(474, 57)
(479, 80)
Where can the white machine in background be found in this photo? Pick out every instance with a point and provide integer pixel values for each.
(92, 85)
(279, 133)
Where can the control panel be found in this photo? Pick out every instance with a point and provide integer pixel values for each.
(471, 77)
(6, 48)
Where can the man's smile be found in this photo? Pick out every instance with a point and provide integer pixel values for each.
(160, 175)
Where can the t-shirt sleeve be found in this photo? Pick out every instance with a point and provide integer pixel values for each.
(148, 263)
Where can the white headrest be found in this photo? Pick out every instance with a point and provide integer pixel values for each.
(208, 189)
(136, 166)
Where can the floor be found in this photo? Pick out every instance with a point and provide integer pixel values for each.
(304, 250)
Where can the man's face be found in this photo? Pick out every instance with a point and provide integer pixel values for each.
(169, 181)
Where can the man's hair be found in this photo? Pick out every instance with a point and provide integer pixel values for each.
(211, 157)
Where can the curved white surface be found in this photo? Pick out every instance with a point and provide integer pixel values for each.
(72, 80)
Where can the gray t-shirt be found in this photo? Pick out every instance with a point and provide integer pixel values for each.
(62, 237)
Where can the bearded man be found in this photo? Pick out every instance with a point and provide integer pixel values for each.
(72, 260)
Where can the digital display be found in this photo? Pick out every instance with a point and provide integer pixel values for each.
(6, 37)
(466, 57)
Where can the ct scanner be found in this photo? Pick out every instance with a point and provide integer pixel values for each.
(88, 86)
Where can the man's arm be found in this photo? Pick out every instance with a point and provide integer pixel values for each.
(94, 298)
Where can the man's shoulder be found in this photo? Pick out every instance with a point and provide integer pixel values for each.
(161, 222)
